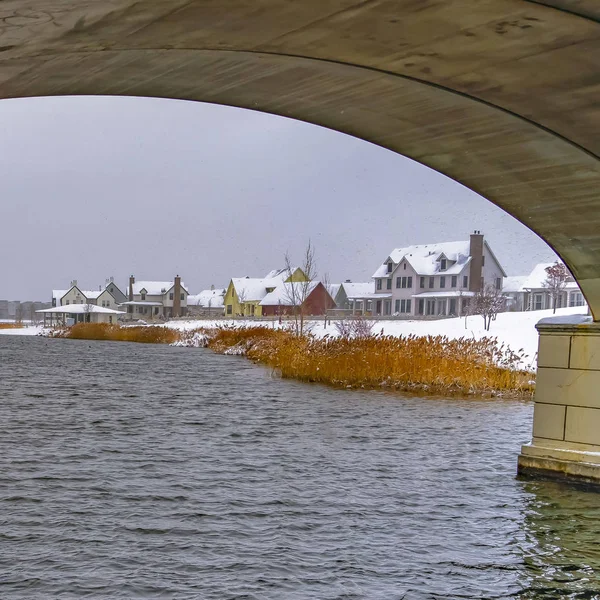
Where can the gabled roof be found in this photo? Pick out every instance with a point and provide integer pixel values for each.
(424, 258)
(536, 279)
(285, 293)
(155, 288)
(91, 295)
(281, 273)
(213, 298)
(358, 290)
(514, 283)
(251, 290)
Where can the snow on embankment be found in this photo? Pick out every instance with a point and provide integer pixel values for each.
(516, 330)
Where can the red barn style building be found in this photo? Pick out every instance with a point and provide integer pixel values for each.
(286, 298)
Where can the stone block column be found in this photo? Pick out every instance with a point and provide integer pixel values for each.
(566, 418)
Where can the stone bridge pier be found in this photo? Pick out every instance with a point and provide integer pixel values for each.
(566, 421)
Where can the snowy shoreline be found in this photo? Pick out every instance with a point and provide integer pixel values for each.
(516, 330)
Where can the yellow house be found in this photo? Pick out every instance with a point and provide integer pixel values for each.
(244, 294)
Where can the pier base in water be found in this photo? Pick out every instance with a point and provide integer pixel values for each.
(566, 418)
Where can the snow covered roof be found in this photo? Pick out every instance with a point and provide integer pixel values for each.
(334, 288)
(424, 258)
(514, 283)
(91, 295)
(206, 298)
(449, 294)
(286, 292)
(155, 288)
(140, 303)
(77, 309)
(535, 280)
(58, 294)
(281, 273)
(250, 290)
(359, 290)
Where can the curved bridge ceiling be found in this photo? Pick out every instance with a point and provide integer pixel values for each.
(501, 95)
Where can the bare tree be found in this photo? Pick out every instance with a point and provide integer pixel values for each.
(557, 276)
(241, 294)
(488, 302)
(356, 327)
(297, 292)
(326, 281)
(87, 311)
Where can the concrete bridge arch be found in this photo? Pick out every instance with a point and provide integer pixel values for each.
(500, 95)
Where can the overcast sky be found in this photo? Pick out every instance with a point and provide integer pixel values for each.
(99, 186)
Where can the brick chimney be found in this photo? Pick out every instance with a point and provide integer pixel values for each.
(177, 297)
(476, 265)
(131, 282)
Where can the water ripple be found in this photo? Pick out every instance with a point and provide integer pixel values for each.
(133, 471)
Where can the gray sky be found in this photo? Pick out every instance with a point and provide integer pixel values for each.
(101, 186)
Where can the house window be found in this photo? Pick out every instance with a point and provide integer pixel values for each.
(388, 284)
(229, 309)
(398, 281)
(53, 301)
(443, 264)
(110, 319)
(453, 281)
(379, 284)
(498, 283)
(443, 281)
(390, 266)
(397, 306)
(183, 296)
(143, 294)
(409, 283)
(465, 281)
(378, 307)
(171, 296)
(483, 261)
(388, 307)
(538, 302)
(576, 299)
(68, 303)
(405, 266)
(421, 282)
(405, 306)
(430, 308)
(452, 310)
(431, 282)
(466, 302)
(441, 307)
(421, 306)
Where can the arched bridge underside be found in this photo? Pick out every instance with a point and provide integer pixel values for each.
(500, 95)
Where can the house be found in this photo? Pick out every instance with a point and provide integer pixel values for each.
(244, 294)
(156, 299)
(309, 298)
(515, 293)
(534, 295)
(435, 280)
(356, 297)
(207, 302)
(70, 314)
(109, 296)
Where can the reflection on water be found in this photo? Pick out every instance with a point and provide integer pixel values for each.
(133, 471)
(561, 545)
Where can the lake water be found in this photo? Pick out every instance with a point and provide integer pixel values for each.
(135, 471)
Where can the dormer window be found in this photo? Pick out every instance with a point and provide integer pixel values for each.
(143, 294)
(443, 264)
(390, 266)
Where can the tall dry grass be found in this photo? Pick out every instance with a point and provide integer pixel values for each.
(433, 363)
(11, 325)
(116, 333)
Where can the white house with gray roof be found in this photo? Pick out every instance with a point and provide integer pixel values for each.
(156, 299)
(435, 280)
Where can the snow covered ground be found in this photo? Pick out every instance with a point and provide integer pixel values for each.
(515, 329)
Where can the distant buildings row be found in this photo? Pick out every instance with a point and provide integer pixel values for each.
(419, 281)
